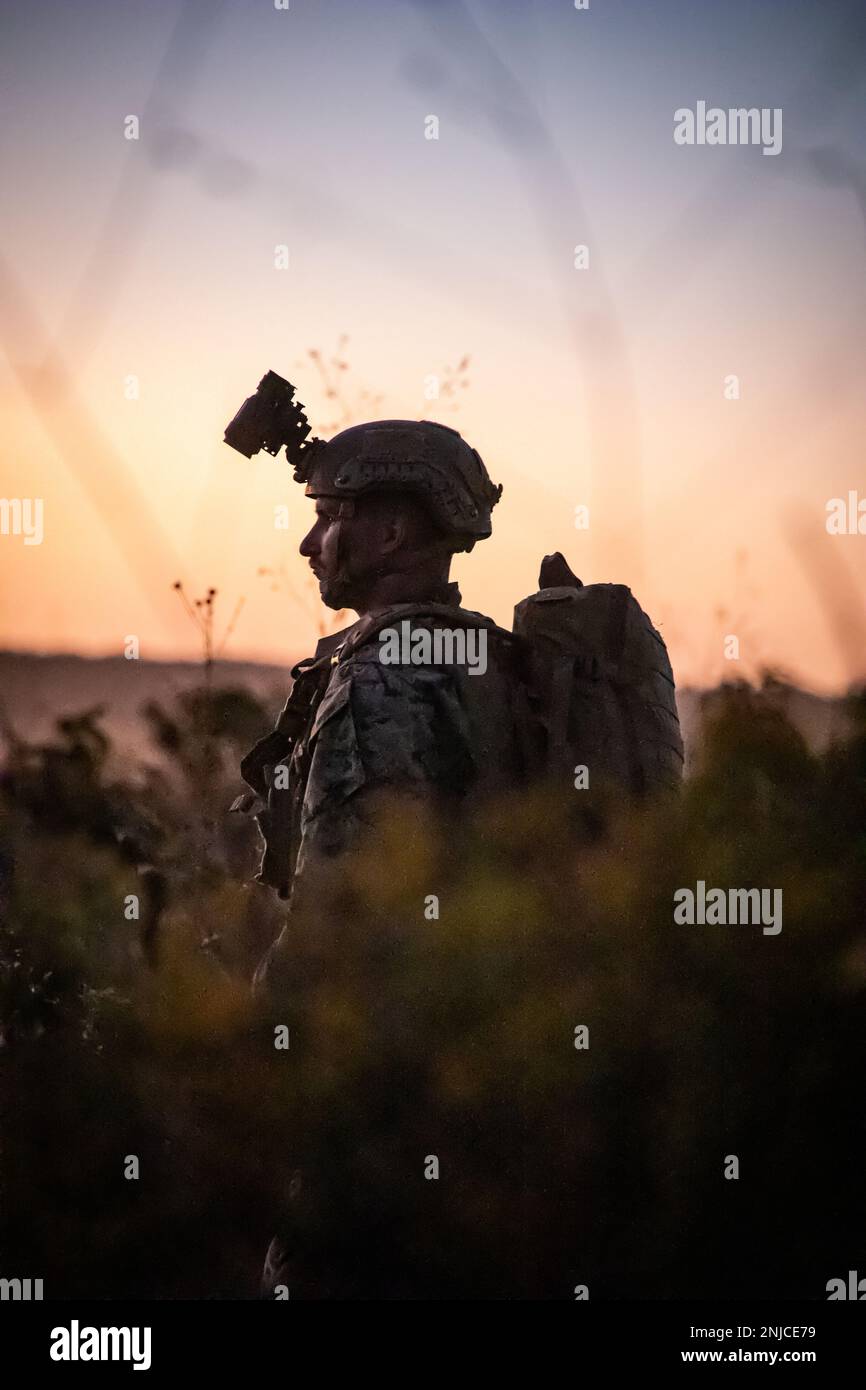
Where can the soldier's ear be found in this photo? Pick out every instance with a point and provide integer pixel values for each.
(393, 532)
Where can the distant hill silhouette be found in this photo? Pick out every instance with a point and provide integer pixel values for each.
(36, 689)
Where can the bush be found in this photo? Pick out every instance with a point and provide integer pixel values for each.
(415, 1037)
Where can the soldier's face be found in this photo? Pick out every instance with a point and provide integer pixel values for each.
(352, 555)
(320, 546)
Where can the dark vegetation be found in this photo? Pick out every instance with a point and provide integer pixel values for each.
(452, 1037)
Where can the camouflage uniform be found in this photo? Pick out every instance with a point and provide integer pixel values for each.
(354, 728)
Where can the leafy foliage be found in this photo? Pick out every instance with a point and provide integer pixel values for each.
(413, 1036)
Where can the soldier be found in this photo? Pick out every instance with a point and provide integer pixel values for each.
(583, 684)
(395, 500)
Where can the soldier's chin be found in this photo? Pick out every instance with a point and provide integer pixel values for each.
(335, 593)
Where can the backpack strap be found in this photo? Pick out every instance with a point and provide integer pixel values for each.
(310, 678)
(561, 680)
(616, 628)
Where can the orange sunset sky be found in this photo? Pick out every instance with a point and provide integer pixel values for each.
(601, 387)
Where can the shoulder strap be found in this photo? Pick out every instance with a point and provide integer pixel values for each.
(310, 679)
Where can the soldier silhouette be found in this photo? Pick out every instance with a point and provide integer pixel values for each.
(584, 678)
(395, 500)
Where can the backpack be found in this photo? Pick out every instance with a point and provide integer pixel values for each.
(594, 686)
(599, 684)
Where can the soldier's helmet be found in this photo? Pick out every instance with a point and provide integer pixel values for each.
(416, 456)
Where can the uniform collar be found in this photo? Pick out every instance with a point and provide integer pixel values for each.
(326, 646)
